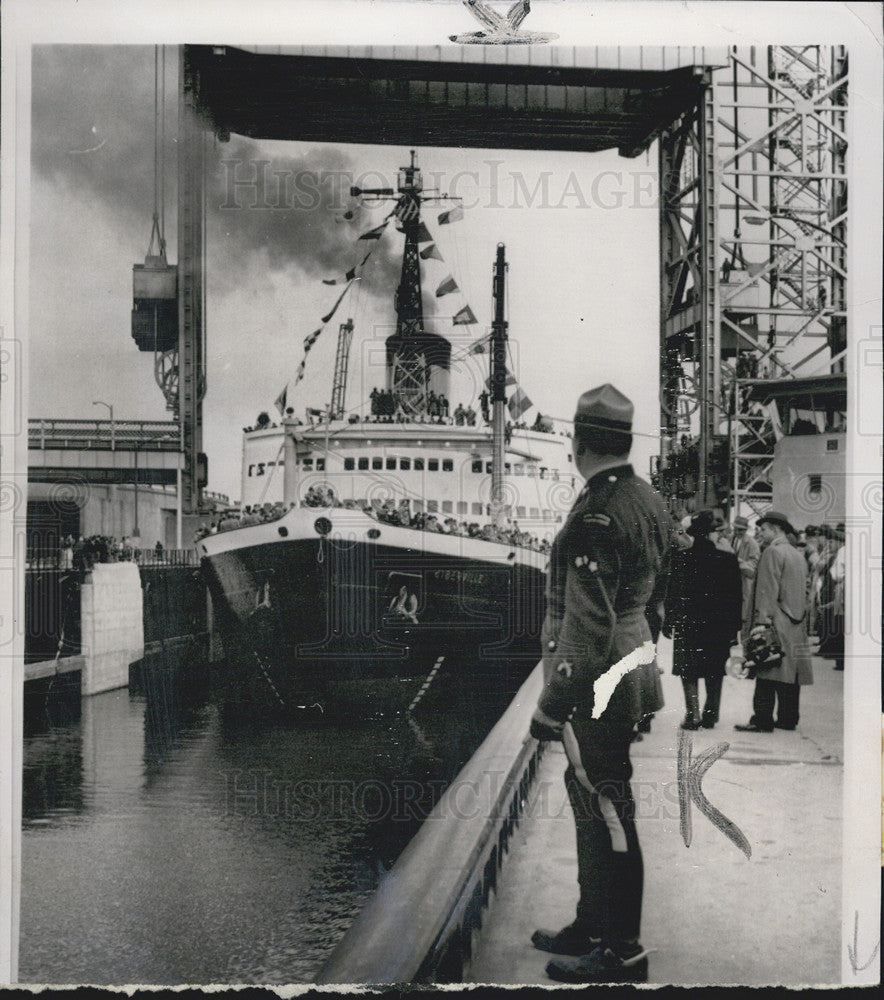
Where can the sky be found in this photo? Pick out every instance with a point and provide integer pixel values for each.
(580, 232)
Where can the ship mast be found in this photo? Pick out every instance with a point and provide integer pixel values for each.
(498, 387)
(411, 351)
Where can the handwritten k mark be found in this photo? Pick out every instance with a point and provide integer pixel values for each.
(852, 952)
(690, 774)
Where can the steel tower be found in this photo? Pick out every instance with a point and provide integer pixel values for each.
(753, 216)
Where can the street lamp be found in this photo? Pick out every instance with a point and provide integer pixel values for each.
(100, 402)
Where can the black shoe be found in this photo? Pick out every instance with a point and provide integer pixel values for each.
(781, 725)
(753, 728)
(689, 722)
(708, 721)
(602, 965)
(571, 940)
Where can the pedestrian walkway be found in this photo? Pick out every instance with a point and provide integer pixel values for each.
(714, 916)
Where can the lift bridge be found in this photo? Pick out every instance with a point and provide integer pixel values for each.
(751, 149)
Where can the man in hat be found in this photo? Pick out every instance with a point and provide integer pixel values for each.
(748, 553)
(779, 608)
(601, 679)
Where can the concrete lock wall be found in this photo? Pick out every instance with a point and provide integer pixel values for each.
(112, 626)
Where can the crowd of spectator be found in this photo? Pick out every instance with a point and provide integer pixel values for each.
(824, 553)
(82, 553)
(386, 409)
(388, 512)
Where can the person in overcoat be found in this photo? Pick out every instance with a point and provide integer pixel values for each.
(780, 611)
(601, 679)
(703, 616)
(748, 553)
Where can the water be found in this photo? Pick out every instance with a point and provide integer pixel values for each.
(163, 843)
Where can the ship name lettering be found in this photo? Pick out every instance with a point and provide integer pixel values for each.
(466, 575)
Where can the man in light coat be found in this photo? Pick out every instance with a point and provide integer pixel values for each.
(748, 553)
(779, 610)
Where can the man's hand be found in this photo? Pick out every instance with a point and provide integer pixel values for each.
(544, 727)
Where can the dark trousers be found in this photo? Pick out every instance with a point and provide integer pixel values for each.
(768, 693)
(713, 698)
(610, 870)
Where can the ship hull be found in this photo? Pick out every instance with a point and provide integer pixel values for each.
(358, 617)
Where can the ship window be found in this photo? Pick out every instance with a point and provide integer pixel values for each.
(555, 475)
(488, 467)
(320, 465)
(308, 463)
(349, 464)
(520, 469)
(363, 464)
(461, 506)
(477, 508)
(447, 507)
(433, 464)
(418, 465)
(507, 467)
(815, 484)
(477, 466)
(391, 463)
(418, 504)
(534, 512)
(405, 463)
(832, 444)
(377, 463)
(543, 472)
(520, 511)
(447, 465)
(432, 506)
(532, 470)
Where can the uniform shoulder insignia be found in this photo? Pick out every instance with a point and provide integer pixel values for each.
(597, 518)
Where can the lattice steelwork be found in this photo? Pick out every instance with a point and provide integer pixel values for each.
(753, 263)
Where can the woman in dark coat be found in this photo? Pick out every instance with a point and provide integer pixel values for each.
(703, 614)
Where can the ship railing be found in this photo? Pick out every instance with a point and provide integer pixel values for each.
(421, 922)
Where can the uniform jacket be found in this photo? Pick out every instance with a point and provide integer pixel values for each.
(781, 600)
(605, 565)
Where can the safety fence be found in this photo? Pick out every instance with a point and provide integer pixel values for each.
(419, 925)
(80, 557)
(149, 435)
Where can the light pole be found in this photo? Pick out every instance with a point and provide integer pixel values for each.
(112, 492)
(100, 402)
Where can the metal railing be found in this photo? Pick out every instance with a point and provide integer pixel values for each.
(152, 435)
(419, 925)
(61, 558)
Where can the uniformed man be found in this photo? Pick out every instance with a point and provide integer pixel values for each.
(602, 678)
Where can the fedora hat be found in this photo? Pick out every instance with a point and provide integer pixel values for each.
(604, 407)
(741, 522)
(775, 517)
(702, 524)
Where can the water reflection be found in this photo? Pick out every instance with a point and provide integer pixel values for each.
(167, 843)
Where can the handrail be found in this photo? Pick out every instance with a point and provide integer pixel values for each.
(54, 432)
(418, 925)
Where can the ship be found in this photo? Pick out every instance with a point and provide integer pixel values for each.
(381, 546)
